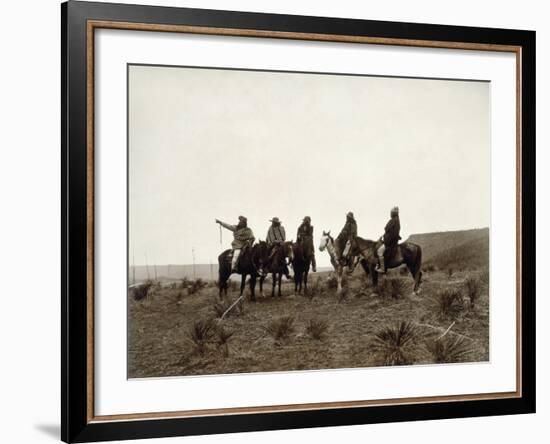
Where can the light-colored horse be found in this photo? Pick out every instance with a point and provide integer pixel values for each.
(327, 243)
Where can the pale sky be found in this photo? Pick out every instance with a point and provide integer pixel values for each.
(210, 143)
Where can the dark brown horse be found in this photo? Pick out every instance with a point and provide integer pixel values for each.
(407, 253)
(278, 266)
(301, 264)
(250, 261)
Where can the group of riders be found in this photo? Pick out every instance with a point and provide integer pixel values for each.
(345, 243)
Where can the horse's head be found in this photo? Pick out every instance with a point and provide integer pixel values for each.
(325, 240)
(260, 253)
(288, 251)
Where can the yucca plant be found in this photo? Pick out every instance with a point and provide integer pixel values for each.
(450, 302)
(223, 337)
(395, 345)
(317, 328)
(282, 328)
(201, 333)
(448, 350)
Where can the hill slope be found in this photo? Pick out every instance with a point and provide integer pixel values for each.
(462, 249)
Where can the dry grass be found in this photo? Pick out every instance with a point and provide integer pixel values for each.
(159, 341)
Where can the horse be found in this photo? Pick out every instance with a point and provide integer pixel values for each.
(407, 253)
(300, 265)
(327, 242)
(278, 266)
(250, 261)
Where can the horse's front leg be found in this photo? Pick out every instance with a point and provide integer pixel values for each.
(339, 271)
(252, 287)
(273, 278)
(279, 281)
(262, 278)
(305, 280)
(243, 282)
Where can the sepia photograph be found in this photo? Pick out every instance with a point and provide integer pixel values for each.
(294, 221)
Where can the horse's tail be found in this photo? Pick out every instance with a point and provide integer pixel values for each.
(419, 264)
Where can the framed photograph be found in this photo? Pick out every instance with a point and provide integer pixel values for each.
(275, 221)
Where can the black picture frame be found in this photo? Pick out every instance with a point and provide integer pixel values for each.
(76, 423)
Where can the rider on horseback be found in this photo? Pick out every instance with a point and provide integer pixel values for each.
(305, 236)
(390, 239)
(276, 236)
(345, 242)
(242, 236)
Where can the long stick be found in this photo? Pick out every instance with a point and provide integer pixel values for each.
(221, 237)
(231, 306)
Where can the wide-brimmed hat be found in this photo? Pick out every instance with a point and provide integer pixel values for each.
(275, 219)
(350, 214)
(243, 219)
(306, 219)
(395, 210)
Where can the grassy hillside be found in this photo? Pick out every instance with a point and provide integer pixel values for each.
(467, 249)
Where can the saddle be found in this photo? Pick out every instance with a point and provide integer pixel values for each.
(244, 251)
(392, 253)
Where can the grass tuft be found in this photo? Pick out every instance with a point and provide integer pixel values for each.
(317, 328)
(281, 328)
(201, 333)
(143, 291)
(473, 290)
(448, 350)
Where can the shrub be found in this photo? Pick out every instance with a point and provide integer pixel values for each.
(450, 302)
(450, 272)
(219, 308)
(395, 345)
(281, 328)
(195, 286)
(317, 328)
(184, 283)
(142, 291)
(223, 337)
(392, 288)
(473, 289)
(429, 268)
(448, 350)
(201, 333)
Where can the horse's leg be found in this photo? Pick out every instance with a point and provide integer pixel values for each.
(306, 271)
(262, 278)
(252, 287)
(273, 278)
(374, 275)
(243, 282)
(280, 279)
(339, 271)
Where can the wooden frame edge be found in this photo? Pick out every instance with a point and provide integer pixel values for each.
(91, 25)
